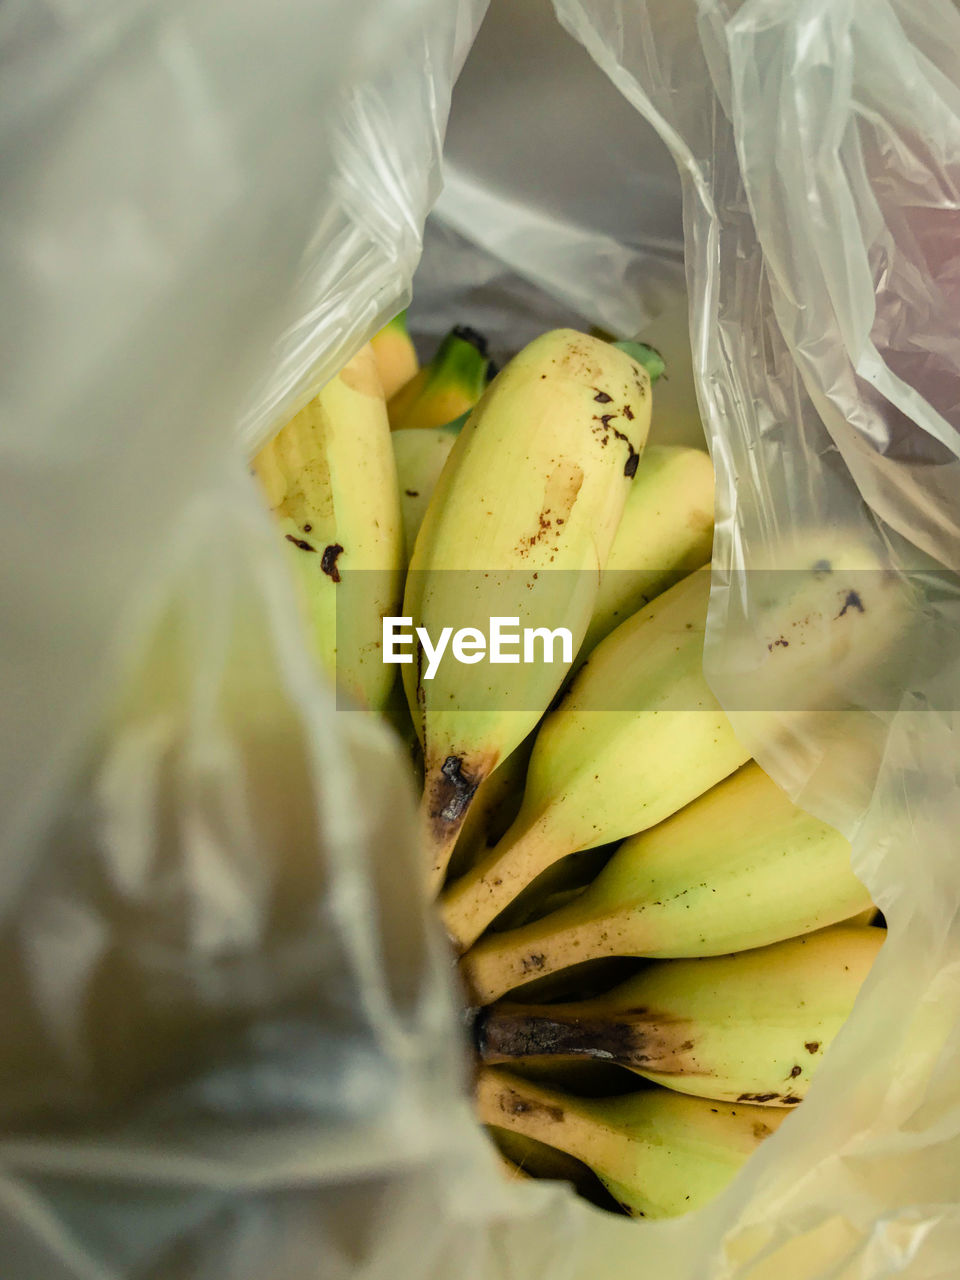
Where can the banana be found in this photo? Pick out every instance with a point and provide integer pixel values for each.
(330, 479)
(519, 526)
(821, 633)
(666, 532)
(637, 736)
(749, 1027)
(740, 867)
(659, 1153)
(420, 456)
(450, 385)
(395, 354)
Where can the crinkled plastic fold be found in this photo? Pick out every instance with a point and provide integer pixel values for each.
(230, 1041)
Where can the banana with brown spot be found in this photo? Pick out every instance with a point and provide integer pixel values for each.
(330, 478)
(740, 867)
(748, 1027)
(658, 1153)
(520, 526)
(637, 736)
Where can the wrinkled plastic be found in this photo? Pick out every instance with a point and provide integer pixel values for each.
(230, 1043)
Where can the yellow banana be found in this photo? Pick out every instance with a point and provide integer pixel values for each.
(740, 867)
(330, 478)
(395, 354)
(637, 736)
(519, 526)
(450, 385)
(666, 531)
(748, 1027)
(819, 631)
(659, 1153)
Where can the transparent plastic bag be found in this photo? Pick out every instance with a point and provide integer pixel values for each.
(231, 1045)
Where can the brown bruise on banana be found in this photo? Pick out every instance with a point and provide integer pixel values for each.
(603, 428)
(852, 601)
(637, 1038)
(452, 791)
(770, 1099)
(604, 431)
(848, 599)
(603, 942)
(512, 1103)
(448, 792)
(560, 492)
(328, 561)
(576, 363)
(301, 543)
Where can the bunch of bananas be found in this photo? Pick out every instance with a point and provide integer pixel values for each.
(595, 809)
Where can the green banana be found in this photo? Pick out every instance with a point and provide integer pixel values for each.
(420, 455)
(330, 478)
(666, 531)
(451, 384)
(740, 867)
(748, 1027)
(659, 1153)
(535, 484)
(395, 354)
(637, 736)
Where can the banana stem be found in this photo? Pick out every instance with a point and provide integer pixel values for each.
(635, 1040)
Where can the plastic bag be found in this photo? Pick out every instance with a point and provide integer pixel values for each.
(230, 1043)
